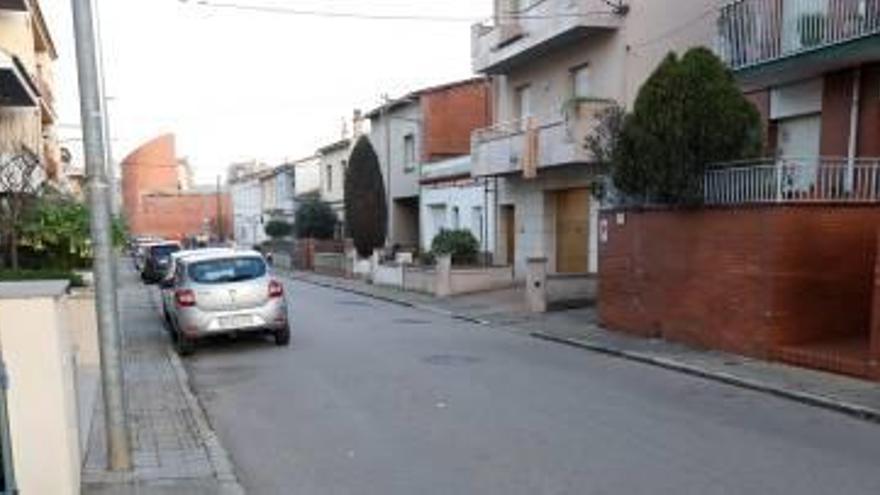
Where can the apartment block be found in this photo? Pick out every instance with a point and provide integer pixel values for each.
(423, 127)
(27, 99)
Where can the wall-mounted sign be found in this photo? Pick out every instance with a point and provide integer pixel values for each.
(621, 218)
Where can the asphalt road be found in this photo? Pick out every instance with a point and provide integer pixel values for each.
(374, 398)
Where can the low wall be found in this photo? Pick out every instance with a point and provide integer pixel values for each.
(389, 275)
(746, 280)
(420, 279)
(83, 324)
(39, 350)
(330, 264)
(577, 289)
(468, 280)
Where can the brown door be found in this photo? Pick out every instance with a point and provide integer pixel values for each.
(572, 230)
(508, 218)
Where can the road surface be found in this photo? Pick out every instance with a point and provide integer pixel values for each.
(375, 398)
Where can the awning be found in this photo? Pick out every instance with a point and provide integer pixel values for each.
(16, 87)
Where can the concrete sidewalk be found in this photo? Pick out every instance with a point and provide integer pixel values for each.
(174, 448)
(506, 310)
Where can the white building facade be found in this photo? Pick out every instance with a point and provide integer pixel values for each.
(450, 199)
(333, 164)
(554, 70)
(247, 210)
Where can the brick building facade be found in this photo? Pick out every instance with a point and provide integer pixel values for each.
(157, 199)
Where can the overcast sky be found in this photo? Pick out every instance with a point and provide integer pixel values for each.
(235, 85)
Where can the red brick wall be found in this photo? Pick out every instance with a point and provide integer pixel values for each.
(450, 115)
(152, 168)
(744, 280)
(178, 216)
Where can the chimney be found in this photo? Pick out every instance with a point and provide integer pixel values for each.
(357, 123)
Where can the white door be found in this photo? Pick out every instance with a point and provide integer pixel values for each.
(799, 145)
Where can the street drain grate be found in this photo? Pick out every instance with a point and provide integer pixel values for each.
(451, 360)
(410, 321)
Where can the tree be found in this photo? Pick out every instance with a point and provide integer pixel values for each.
(366, 209)
(688, 114)
(315, 219)
(21, 178)
(59, 227)
(278, 229)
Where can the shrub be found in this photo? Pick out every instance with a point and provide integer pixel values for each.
(460, 244)
(315, 219)
(689, 114)
(278, 229)
(366, 208)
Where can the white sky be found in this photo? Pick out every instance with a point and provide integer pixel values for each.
(235, 85)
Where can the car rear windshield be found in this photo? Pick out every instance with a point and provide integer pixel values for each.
(224, 270)
(164, 250)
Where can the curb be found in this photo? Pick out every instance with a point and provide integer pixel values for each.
(399, 302)
(217, 455)
(853, 410)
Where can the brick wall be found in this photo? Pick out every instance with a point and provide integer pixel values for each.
(178, 216)
(450, 115)
(745, 280)
(151, 168)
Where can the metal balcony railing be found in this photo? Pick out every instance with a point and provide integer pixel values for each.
(751, 32)
(794, 180)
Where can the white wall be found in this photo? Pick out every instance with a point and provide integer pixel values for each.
(247, 211)
(535, 214)
(465, 196)
(402, 121)
(308, 175)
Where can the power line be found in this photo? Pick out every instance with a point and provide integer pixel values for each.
(271, 9)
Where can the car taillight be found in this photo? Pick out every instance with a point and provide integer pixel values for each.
(185, 298)
(275, 289)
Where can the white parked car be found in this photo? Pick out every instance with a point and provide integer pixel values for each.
(221, 293)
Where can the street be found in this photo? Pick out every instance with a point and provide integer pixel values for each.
(376, 398)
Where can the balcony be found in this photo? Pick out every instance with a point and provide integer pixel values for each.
(543, 26)
(776, 41)
(553, 141)
(794, 180)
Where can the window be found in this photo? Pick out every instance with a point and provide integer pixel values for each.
(330, 178)
(523, 103)
(456, 220)
(580, 81)
(477, 223)
(227, 270)
(409, 152)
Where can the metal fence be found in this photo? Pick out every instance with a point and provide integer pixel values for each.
(755, 31)
(793, 180)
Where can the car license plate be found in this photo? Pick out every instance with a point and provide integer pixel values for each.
(235, 321)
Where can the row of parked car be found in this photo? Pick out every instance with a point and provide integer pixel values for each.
(213, 291)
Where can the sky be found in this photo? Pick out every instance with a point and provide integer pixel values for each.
(236, 85)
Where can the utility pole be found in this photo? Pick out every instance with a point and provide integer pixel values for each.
(115, 421)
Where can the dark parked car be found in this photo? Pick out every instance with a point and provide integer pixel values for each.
(157, 261)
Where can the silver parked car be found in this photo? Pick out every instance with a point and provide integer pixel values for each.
(221, 293)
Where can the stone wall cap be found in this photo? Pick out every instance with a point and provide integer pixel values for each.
(33, 289)
(537, 259)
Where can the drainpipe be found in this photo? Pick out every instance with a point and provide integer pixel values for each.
(853, 128)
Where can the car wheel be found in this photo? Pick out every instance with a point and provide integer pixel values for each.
(282, 336)
(184, 345)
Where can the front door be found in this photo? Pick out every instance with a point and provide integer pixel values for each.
(572, 230)
(508, 221)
